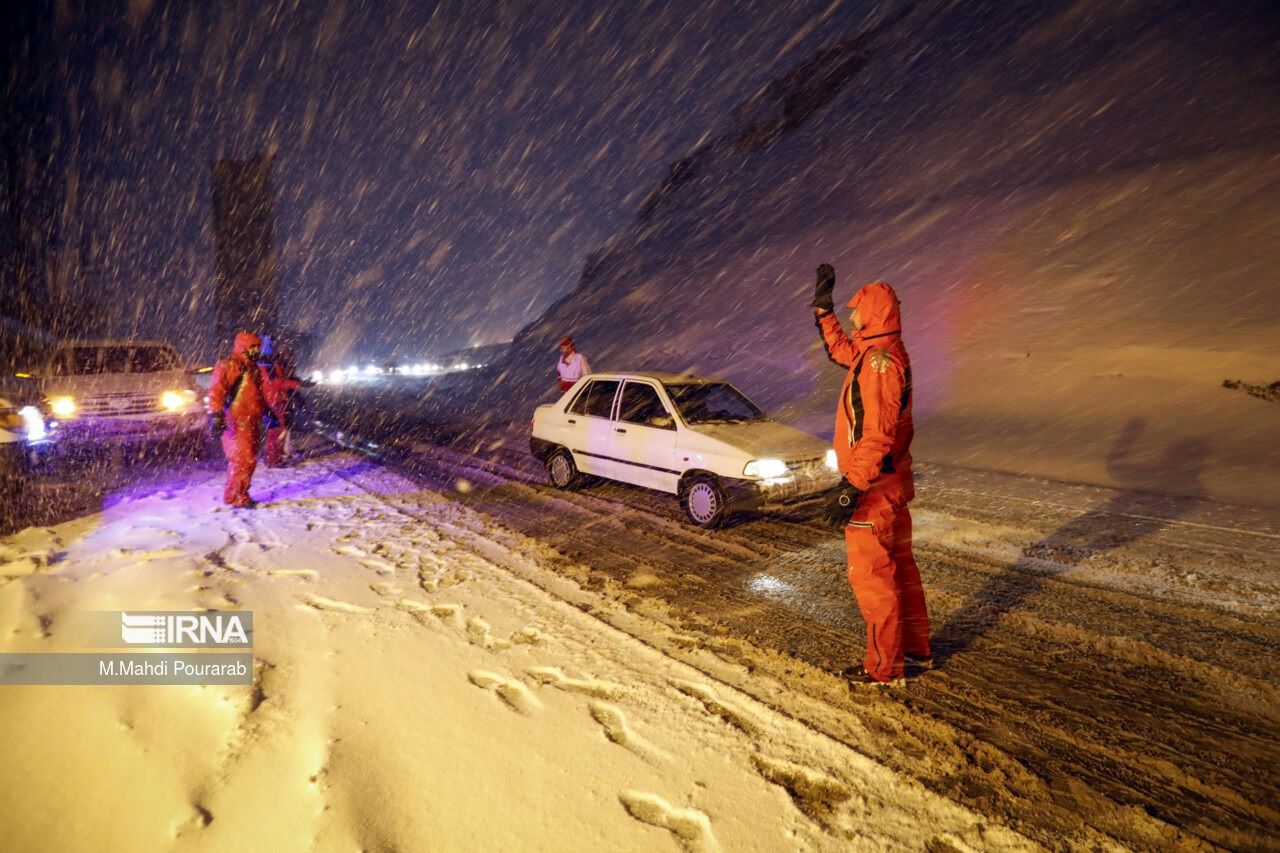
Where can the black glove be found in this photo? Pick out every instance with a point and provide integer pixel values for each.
(219, 424)
(822, 300)
(840, 504)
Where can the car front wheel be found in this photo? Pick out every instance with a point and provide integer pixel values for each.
(704, 501)
(563, 473)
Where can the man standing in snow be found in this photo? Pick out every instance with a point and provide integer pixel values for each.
(237, 404)
(572, 365)
(873, 449)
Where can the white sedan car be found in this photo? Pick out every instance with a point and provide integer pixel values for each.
(700, 439)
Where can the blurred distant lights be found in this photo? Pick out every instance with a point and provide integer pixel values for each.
(354, 373)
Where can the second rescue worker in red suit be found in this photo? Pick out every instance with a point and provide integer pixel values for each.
(279, 386)
(873, 449)
(237, 404)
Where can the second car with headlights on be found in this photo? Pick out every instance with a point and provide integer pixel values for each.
(699, 439)
(113, 391)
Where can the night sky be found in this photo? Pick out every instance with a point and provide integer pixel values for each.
(442, 173)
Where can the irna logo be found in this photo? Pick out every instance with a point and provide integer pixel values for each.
(186, 629)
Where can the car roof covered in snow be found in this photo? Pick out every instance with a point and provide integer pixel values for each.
(660, 376)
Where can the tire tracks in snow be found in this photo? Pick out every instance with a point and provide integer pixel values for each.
(1078, 706)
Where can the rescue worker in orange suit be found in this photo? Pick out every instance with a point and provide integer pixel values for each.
(279, 385)
(873, 448)
(237, 404)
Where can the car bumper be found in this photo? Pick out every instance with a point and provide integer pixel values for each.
(764, 494)
(81, 431)
(540, 448)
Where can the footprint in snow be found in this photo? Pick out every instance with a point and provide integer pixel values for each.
(817, 795)
(301, 574)
(617, 730)
(691, 828)
(735, 717)
(382, 567)
(449, 614)
(552, 676)
(514, 694)
(319, 602)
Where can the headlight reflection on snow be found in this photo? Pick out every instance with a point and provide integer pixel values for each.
(769, 586)
(33, 423)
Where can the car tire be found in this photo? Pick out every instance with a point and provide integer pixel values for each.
(562, 470)
(704, 501)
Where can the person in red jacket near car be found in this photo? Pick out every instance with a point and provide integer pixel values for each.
(237, 404)
(873, 449)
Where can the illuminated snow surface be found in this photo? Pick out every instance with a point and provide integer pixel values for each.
(459, 657)
(422, 682)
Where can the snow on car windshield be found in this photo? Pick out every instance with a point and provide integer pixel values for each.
(713, 402)
(82, 361)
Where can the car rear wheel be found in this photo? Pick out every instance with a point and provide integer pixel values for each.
(704, 501)
(563, 473)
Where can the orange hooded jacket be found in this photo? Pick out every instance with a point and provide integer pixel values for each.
(873, 419)
(237, 384)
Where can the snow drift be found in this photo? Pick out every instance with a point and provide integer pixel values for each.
(1076, 201)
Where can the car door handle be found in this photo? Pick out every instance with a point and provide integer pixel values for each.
(619, 429)
(572, 420)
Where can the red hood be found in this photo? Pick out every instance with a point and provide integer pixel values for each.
(878, 306)
(244, 340)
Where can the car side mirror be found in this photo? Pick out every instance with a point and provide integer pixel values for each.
(662, 422)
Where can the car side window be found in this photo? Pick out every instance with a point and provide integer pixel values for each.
(579, 404)
(642, 405)
(597, 400)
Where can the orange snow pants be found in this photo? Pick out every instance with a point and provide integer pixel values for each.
(240, 446)
(886, 582)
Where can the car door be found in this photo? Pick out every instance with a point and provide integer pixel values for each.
(644, 437)
(590, 422)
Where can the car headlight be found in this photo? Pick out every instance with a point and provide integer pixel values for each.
(831, 461)
(173, 401)
(63, 407)
(765, 469)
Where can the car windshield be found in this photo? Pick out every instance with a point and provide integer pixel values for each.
(713, 403)
(84, 361)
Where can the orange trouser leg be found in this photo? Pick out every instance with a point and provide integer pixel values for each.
(240, 446)
(274, 453)
(913, 611)
(869, 542)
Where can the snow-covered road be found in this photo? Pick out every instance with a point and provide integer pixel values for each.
(1109, 658)
(420, 683)
(453, 655)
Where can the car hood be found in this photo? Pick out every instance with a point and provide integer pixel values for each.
(109, 383)
(766, 439)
